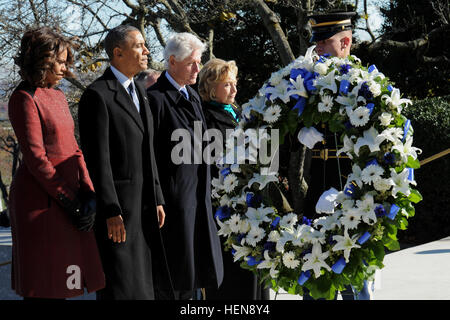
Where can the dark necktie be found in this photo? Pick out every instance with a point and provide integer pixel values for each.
(133, 95)
(184, 93)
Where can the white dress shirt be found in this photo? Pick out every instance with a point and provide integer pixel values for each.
(125, 82)
(177, 86)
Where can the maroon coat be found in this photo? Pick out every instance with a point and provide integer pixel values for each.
(45, 242)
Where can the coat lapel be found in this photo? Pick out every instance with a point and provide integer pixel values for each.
(122, 98)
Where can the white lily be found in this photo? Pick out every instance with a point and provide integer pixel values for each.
(316, 236)
(348, 146)
(407, 149)
(347, 101)
(298, 87)
(394, 101)
(262, 180)
(279, 91)
(259, 215)
(225, 229)
(327, 223)
(285, 237)
(393, 134)
(326, 82)
(309, 136)
(257, 104)
(346, 244)
(401, 182)
(276, 77)
(355, 175)
(316, 260)
(240, 252)
(371, 138)
(268, 262)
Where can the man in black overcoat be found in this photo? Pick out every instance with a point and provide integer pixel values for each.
(190, 234)
(116, 131)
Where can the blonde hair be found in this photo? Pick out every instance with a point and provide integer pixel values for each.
(213, 72)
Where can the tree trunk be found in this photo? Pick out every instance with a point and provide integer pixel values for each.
(272, 24)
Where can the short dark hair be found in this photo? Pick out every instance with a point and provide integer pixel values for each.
(38, 51)
(116, 37)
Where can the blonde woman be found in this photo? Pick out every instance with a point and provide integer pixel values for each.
(217, 88)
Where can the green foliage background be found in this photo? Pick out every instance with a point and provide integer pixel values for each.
(430, 119)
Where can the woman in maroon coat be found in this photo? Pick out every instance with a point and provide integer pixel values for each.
(55, 254)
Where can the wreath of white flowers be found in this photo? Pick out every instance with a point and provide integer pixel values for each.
(347, 243)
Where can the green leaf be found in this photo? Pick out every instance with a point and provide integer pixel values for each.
(415, 164)
(292, 121)
(403, 223)
(392, 245)
(415, 196)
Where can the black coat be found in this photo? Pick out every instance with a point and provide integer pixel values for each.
(117, 142)
(190, 233)
(238, 283)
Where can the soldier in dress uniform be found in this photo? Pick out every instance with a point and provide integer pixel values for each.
(332, 33)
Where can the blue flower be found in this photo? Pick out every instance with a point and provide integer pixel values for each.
(225, 172)
(269, 94)
(370, 106)
(323, 58)
(364, 91)
(344, 86)
(348, 125)
(252, 261)
(350, 190)
(390, 88)
(240, 237)
(253, 200)
(300, 105)
(389, 158)
(372, 162)
(345, 68)
(222, 212)
(372, 68)
(269, 245)
(306, 221)
(380, 211)
(275, 222)
(308, 78)
(331, 240)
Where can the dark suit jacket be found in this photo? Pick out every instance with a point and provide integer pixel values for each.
(117, 142)
(190, 233)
